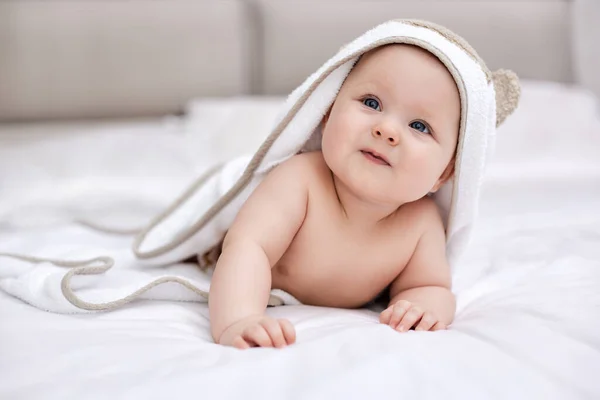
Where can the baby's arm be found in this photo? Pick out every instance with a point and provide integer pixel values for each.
(420, 295)
(258, 237)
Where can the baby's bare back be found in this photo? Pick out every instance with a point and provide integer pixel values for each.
(332, 262)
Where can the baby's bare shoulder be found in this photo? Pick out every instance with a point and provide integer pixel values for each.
(310, 168)
(423, 214)
(303, 165)
(297, 170)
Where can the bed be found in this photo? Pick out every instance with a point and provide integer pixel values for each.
(528, 289)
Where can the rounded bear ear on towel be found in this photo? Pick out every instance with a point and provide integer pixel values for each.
(508, 92)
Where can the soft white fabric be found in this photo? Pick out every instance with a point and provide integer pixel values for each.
(527, 288)
(458, 199)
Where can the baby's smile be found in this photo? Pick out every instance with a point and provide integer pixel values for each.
(375, 157)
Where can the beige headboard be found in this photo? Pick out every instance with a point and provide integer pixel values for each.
(97, 58)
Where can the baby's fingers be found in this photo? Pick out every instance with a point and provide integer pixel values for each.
(440, 326)
(409, 319)
(240, 343)
(400, 309)
(274, 330)
(289, 332)
(386, 315)
(256, 334)
(427, 321)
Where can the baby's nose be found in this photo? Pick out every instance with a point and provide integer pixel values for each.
(390, 137)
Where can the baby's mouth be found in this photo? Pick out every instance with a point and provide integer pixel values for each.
(374, 157)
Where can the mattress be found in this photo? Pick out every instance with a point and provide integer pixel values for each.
(528, 290)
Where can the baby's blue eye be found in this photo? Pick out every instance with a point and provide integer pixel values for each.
(371, 103)
(420, 126)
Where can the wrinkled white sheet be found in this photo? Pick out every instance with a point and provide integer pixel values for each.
(528, 291)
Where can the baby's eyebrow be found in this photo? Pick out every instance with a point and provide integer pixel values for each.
(368, 86)
(424, 112)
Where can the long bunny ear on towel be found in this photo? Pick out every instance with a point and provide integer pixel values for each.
(199, 219)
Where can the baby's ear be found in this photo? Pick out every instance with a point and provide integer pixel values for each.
(508, 92)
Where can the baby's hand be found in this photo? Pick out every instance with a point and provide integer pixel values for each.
(259, 331)
(404, 315)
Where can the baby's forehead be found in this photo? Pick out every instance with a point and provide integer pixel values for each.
(405, 65)
(394, 53)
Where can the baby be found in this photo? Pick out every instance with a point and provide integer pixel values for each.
(337, 227)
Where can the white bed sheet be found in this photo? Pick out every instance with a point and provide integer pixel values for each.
(528, 291)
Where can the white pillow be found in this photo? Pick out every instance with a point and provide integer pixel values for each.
(554, 131)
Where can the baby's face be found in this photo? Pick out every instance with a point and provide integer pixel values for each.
(393, 128)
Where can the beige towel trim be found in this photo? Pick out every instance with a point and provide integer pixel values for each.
(107, 229)
(183, 236)
(99, 265)
(454, 38)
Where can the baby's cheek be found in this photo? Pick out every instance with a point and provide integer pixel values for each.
(416, 180)
(326, 149)
(332, 146)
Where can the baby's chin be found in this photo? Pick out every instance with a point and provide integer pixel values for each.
(371, 183)
(377, 193)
